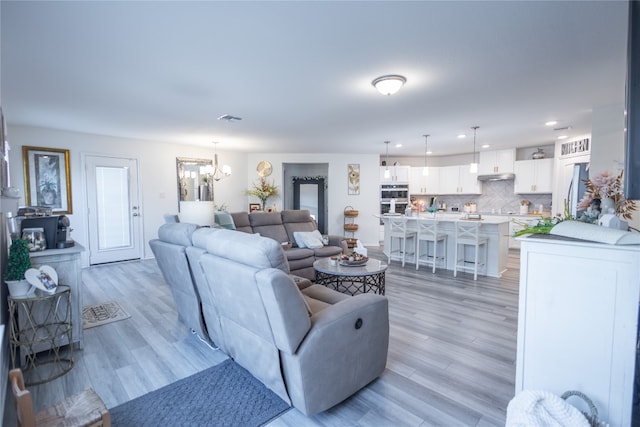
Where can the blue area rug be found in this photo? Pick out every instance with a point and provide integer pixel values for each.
(223, 395)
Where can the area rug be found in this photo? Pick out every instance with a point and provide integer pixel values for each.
(223, 395)
(101, 314)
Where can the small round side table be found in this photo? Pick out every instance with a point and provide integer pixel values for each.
(40, 326)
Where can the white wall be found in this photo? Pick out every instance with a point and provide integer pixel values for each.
(157, 171)
(367, 202)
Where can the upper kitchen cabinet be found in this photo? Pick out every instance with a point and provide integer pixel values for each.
(424, 185)
(458, 180)
(533, 176)
(496, 161)
(398, 174)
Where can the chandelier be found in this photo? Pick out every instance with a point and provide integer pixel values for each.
(216, 172)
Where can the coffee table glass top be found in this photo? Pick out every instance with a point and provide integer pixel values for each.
(373, 266)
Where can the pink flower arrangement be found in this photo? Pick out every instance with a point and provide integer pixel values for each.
(605, 185)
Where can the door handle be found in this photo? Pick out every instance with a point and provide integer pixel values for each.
(135, 214)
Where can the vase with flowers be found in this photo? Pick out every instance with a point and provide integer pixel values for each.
(606, 191)
(262, 189)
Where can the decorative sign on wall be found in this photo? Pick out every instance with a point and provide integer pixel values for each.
(354, 178)
(574, 148)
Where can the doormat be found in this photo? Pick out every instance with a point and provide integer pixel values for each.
(101, 314)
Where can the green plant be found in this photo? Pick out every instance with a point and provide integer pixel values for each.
(19, 260)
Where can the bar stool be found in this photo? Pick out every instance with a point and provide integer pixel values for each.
(399, 230)
(468, 235)
(428, 233)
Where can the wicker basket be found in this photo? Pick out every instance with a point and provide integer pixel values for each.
(351, 227)
(351, 213)
(592, 415)
(352, 242)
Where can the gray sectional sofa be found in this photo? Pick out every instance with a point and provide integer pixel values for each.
(311, 345)
(281, 226)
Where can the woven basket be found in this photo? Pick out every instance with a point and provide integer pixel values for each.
(592, 416)
(351, 227)
(351, 213)
(351, 242)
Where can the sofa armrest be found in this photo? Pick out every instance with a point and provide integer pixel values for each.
(363, 317)
(335, 240)
(344, 350)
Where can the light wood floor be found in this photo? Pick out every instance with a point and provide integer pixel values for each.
(451, 353)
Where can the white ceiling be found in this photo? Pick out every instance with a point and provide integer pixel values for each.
(299, 73)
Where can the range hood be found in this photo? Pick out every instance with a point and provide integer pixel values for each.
(496, 177)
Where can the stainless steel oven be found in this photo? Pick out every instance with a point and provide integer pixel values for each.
(399, 193)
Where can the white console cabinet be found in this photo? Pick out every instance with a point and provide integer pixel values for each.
(578, 321)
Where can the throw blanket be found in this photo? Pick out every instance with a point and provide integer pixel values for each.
(544, 409)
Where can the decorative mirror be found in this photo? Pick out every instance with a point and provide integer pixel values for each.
(194, 179)
(264, 168)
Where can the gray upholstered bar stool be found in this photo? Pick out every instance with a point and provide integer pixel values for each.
(467, 238)
(400, 232)
(429, 236)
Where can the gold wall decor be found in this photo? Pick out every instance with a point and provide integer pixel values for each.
(354, 178)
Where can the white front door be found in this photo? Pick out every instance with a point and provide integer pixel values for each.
(114, 209)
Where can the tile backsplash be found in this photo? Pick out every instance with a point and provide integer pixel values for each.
(497, 196)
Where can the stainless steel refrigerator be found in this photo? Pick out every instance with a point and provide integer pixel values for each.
(577, 187)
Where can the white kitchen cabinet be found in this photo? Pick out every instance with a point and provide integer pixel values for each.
(578, 322)
(533, 176)
(424, 185)
(458, 180)
(397, 174)
(496, 161)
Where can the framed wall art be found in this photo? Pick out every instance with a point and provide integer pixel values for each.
(254, 207)
(353, 172)
(47, 178)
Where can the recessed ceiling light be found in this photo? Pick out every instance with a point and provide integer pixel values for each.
(398, 145)
(429, 152)
(462, 135)
(551, 123)
(485, 146)
(563, 137)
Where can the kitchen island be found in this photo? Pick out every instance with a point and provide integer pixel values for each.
(494, 228)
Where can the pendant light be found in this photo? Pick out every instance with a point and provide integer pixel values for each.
(387, 172)
(473, 167)
(425, 169)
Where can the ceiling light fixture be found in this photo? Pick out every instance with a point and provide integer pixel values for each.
(551, 123)
(563, 137)
(425, 169)
(461, 136)
(389, 84)
(216, 172)
(473, 167)
(387, 172)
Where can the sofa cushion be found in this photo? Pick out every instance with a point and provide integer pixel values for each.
(251, 249)
(308, 239)
(241, 221)
(269, 224)
(297, 220)
(294, 254)
(224, 220)
(178, 233)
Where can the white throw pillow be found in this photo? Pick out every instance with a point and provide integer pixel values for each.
(308, 239)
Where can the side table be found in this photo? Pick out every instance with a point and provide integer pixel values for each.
(40, 325)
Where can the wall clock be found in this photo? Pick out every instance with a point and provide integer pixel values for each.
(264, 168)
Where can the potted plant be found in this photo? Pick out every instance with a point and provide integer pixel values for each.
(17, 264)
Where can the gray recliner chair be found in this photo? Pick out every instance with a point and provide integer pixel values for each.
(313, 347)
(170, 252)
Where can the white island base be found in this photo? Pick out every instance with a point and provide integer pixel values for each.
(495, 229)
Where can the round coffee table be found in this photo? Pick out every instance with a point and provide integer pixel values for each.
(369, 277)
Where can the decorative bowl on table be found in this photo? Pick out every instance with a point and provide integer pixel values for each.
(353, 260)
